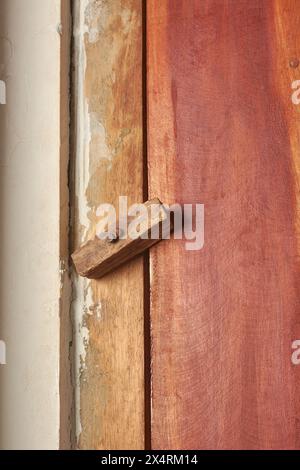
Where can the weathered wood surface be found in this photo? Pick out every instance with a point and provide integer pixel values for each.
(108, 314)
(223, 131)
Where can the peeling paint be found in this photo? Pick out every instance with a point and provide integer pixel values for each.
(80, 308)
(90, 17)
(83, 138)
(62, 271)
(96, 13)
(98, 144)
(81, 287)
(96, 309)
(107, 321)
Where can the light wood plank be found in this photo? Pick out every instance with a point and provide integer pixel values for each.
(108, 314)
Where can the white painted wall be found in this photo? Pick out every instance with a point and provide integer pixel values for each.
(30, 277)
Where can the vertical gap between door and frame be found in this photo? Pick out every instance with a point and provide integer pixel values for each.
(147, 320)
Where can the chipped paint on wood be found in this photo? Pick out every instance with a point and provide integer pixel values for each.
(108, 314)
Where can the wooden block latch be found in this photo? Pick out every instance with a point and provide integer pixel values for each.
(97, 257)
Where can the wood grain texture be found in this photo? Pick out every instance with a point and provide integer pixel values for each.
(223, 131)
(108, 314)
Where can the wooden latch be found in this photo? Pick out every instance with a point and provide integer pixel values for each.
(97, 257)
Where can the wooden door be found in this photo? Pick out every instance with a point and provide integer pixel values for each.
(224, 131)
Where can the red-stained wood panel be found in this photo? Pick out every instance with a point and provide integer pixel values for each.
(223, 131)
